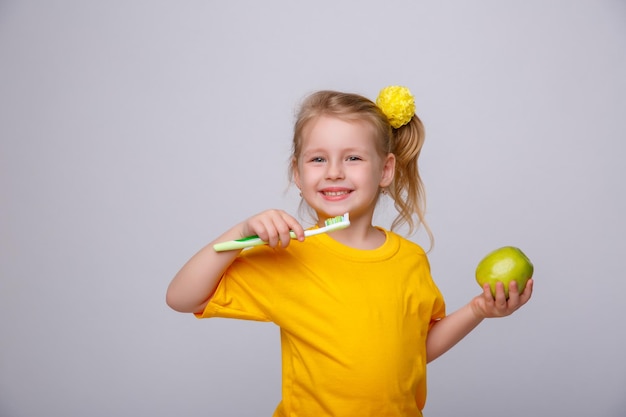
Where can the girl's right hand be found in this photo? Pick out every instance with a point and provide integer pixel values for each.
(273, 226)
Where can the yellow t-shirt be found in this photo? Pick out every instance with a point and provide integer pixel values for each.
(353, 322)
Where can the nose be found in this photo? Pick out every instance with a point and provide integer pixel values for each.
(334, 170)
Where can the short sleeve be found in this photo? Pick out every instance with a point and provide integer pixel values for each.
(246, 288)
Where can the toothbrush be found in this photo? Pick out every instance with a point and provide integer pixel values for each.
(334, 223)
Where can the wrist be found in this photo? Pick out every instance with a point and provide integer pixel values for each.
(476, 309)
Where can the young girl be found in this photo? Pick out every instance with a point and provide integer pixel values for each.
(358, 311)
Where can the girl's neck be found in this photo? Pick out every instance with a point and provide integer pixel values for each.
(360, 235)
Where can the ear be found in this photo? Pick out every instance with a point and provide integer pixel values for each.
(389, 170)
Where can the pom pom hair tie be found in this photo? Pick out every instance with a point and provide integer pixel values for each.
(397, 103)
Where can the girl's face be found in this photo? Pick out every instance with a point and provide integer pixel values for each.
(339, 169)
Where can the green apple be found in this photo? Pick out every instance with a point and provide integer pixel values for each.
(505, 265)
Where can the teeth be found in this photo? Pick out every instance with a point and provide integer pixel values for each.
(334, 193)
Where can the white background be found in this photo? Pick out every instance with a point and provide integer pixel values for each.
(133, 132)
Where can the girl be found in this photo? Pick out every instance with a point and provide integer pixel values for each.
(359, 314)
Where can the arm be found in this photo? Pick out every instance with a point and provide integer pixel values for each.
(193, 286)
(447, 332)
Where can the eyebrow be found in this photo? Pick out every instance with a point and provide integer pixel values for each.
(361, 151)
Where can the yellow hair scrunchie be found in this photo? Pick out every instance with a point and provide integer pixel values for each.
(397, 103)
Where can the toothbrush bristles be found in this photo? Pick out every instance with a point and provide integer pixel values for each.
(337, 219)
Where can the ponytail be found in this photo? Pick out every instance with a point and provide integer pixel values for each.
(407, 189)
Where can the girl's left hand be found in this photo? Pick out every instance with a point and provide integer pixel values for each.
(486, 306)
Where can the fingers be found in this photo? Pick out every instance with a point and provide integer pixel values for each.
(528, 292)
(487, 305)
(487, 292)
(513, 293)
(500, 301)
(274, 227)
(515, 299)
(296, 228)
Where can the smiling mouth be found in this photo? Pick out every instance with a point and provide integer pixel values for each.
(335, 193)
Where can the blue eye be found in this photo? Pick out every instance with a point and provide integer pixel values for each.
(354, 158)
(317, 159)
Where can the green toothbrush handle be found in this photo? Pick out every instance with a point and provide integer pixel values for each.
(246, 242)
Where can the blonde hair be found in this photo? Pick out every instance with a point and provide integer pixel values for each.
(407, 189)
